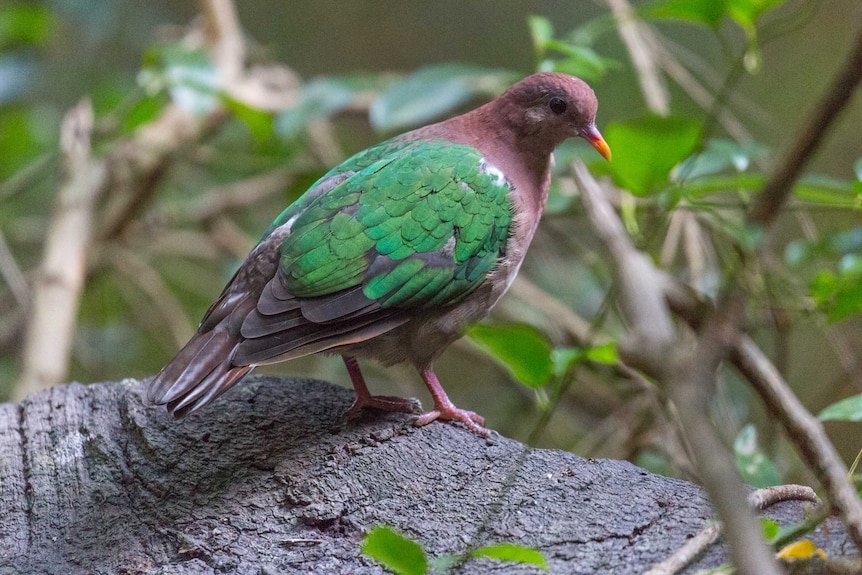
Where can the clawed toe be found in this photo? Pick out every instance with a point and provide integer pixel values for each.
(471, 420)
(383, 403)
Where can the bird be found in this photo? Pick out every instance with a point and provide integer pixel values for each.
(392, 254)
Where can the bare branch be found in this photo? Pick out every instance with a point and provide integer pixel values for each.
(688, 368)
(56, 293)
(140, 273)
(805, 431)
(759, 500)
(271, 87)
(223, 34)
(638, 281)
(223, 199)
(779, 186)
(138, 165)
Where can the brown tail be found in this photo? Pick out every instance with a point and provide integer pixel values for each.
(200, 372)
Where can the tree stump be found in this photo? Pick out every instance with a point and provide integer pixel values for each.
(272, 479)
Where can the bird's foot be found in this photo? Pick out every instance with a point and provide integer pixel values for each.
(471, 420)
(364, 399)
(383, 403)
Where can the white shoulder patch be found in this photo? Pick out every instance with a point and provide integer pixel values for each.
(496, 174)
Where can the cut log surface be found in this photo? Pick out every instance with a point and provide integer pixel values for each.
(272, 479)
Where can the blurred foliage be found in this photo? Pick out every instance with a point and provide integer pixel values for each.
(403, 556)
(754, 465)
(849, 409)
(682, 183)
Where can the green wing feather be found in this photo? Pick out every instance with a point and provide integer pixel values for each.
(415, 224)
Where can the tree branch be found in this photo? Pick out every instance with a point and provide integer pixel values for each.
(804, 430)
(688, 368)
(759, 500)
(57, 290)
(631, 31)
(779, 186)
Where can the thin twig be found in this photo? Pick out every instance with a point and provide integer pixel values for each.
(653, 88)
(141, 274)
(805, 431)
(272, 87)
(759, 500)
(236, 195)
(779, 186)
(11, 272)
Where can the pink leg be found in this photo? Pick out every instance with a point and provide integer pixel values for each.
(365, 399)
(445, 409)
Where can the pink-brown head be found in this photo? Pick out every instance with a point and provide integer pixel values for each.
(546, 108)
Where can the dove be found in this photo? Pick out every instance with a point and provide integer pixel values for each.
(392, 254)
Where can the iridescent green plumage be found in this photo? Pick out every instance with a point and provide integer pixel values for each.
(393, 253)
(418, 224)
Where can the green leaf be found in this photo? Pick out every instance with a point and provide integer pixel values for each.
(432, 92)
(849, 409)
(512, 552)
(18, 142)
(579, 61)
(563, 358)
(647, 149)
(755, 467)
(606, 354)
(520, 348)
(144, 110)
(25, 24)
(770, 528)
(188, 75)
(719, 156)
(703, 186)
(542, 32)
(746, 12)
(259, 122)
(320, 98)
(831, 247)
(395, 552)
(839, 294)
(826, 191)
(709, 12)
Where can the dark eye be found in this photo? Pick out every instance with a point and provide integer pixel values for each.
(557, 105)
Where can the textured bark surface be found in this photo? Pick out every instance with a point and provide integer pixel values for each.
(271, 479)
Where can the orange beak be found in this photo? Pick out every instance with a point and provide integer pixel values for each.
(594, 137)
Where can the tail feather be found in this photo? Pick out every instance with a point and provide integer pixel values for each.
(200, 372)
(218, 382)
